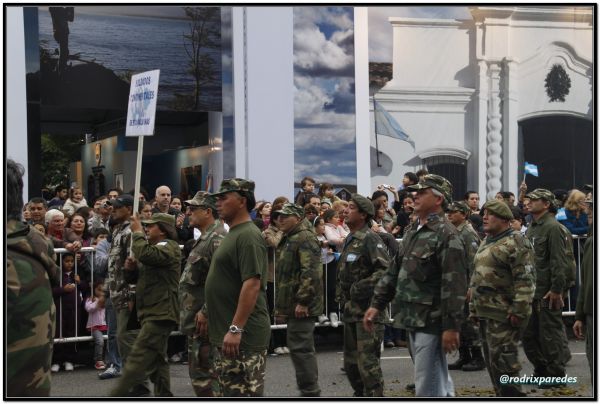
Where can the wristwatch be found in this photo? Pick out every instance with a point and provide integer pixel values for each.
(234, 329)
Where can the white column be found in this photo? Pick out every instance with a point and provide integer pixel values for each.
(270, 100)
(16, 108)
(511, 127)
(361, 74)
(215, 142)
(494, 134)
(238, 39)
(481, 128)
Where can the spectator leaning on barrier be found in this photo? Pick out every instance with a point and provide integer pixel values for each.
(363, 261)
(238, 318)
(428, 285)
(501, 291)
(299, 293)
(543, 339)
(30, 311)
(203, 216)
(155, 269)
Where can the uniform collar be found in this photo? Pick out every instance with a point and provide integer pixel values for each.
(546, 216)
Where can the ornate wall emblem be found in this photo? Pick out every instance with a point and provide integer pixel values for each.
(558, 83)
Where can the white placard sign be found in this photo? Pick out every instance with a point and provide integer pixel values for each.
(142, 104)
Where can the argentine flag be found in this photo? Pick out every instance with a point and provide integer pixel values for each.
(561, 215)
(531, 169)
(386, 125)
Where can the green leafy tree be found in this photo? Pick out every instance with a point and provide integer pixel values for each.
(57, 154)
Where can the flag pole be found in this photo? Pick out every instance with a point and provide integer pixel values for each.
(375, 119)
(136, 187)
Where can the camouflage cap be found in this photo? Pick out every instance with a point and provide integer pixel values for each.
(202, 199)
(459, 206)
(291, 209)
(235, 185)
(166, 220)
(499, 209)
(363, 204)
(436, 182)
(541, 193)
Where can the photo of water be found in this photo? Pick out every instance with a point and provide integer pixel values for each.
(128, 44)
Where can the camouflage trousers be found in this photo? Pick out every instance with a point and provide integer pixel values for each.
(543, 340)
(243, 376)
(125, 340)
(301, 343)
(147, 359)
(362, 352)
(200, 364)
(500, 351)
(469, 332)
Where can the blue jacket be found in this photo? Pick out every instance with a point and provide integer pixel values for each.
(575, 225)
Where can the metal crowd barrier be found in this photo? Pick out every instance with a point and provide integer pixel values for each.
(568, 310)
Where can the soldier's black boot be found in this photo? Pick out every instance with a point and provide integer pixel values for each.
(510, 391)
(476, 363)
(463, 359)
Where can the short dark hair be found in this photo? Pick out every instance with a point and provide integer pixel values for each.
(516, 212)
(311, 195)
(250, 200)
(305, 180)
(38, 199)
(468, 194)
(60, 188)
(377, 194)
(259, 223)
(308, 209)
(14, 189)
(412, 177)
(421, 172)
(119, 191)
(99, 231)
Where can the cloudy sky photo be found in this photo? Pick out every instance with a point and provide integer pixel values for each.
(324, 108)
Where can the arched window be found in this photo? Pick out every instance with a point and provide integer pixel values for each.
(450, 163)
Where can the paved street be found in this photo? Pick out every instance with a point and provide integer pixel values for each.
(280, 382)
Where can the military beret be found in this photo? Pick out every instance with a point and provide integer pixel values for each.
(541, 193)
(363, 204)
(459, 206)
(291, 209)
(235, 185)
(436, 182)
(499, 209)
(202, 199)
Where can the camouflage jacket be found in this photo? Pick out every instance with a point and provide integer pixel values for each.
(121, 292)
(193, 277)
(157, 279)
(504, 280)
(551, 264)
(362, 263)
(471, 241)
(299, 273)
(428, 279)
(30, 310)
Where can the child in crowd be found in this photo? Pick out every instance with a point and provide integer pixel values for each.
(326, 192)
(100, 241)
(96, 322)
(75, 201)
(308, 189)
(329, 273)
(67, 299)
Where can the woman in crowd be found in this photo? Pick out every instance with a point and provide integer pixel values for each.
(74, 201)
(333, 231)
(263, 212)
(378, 224)
(176, 203)
(576, 220)
(381, 196)
(340, 207)
(145, 210)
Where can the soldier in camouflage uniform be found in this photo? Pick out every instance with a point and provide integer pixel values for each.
(543, 339)
(362, 263)
(202, 213)
(501, 291)
(471, 358)
(428, 284)
(299, 293)
(120, 292)
(155, 271)
(30, 311)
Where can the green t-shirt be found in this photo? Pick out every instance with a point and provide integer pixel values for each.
(241, 256)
